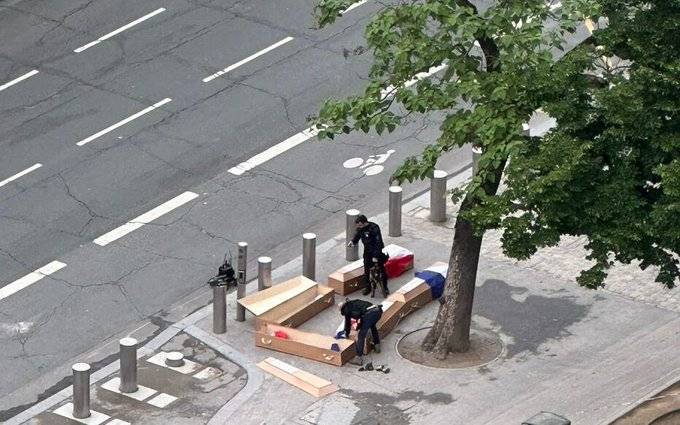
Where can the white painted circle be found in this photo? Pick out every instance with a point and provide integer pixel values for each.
(243, 244)
(353, 162)
(372, 171)
(81, 367)
(440, 174)
(395, 189)
(264, 259)
(309, 236)
(128, 342)
(352, 212)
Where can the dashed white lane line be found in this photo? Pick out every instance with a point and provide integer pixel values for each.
(248, 59)
(20, 174)
(125, 121)
(119, 30)
(145, 218)
(30, 279)
(18, 80)
(389, 91)
(353, 6)
(274, 151)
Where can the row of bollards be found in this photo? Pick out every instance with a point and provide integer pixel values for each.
(81, 378)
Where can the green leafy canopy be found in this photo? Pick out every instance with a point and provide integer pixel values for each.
(609, 170)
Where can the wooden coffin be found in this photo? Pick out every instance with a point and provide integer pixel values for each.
(310, 383)
(305, 344)
(348, 278)
(414, 288)
(290, 303)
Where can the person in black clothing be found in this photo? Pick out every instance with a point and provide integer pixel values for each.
(370, 236)
(368, 316)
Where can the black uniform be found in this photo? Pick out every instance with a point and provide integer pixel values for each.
(368, 316)
(373, 245)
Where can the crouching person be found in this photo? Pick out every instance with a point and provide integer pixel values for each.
(367, 315)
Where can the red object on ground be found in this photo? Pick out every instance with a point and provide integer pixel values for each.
(281, 334)
(401, 259)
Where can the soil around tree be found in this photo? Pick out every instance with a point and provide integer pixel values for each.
(485, 347)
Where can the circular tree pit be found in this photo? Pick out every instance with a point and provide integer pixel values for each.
(484, 348)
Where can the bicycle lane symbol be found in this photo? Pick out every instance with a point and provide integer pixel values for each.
(371, 165)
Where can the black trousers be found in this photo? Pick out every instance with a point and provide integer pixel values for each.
(368, 263)
(368, 322)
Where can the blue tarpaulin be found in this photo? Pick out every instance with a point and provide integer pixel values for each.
(434, 280)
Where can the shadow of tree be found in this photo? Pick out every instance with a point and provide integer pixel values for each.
(531, 321)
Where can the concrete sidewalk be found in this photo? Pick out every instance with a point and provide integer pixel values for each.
(588, 355)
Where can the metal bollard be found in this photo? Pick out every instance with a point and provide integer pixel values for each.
(81, 390)
(438, 196)
(264, 273)
(351, 252)
(241, 285)
(128, 365)
(309, 256)
(395, 211)
(476, 154)
(220, 309)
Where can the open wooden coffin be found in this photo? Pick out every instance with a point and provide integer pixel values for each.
(290, 303)
(310, 345)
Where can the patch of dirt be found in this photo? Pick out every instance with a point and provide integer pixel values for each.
(484, 348)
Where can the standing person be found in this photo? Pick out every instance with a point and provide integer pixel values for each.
(368, 316)
(370, 236)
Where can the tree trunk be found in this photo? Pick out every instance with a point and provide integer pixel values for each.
(451, 329)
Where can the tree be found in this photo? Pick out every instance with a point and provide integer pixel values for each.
(583, 178)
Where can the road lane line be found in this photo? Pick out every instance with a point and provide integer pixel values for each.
(119, 30)
(145, 218)
(18, 80)
(20, 174)
(353, 6)
(274, 151)
(388, 91)
(125, 121)
(30, 279)
(248, 59)
(307, 134)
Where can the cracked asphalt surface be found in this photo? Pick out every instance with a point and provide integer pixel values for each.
(80, 193)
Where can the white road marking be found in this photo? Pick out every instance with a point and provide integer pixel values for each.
(162, 400)
(125, 121)
(145, 218)
(248, 59)
(20, 174)
(274, 151)
(119, 30)
(95, 418)
(19, 79)
(30, 279)
(389, 91)
(353, 6)
(141, 394)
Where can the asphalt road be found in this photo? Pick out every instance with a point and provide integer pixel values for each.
(84, 151)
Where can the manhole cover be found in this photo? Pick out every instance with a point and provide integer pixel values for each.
(484, 348)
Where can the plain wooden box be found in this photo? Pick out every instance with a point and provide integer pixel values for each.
(309, 345)
(290, 303)
(312, 384)
(348, 278)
